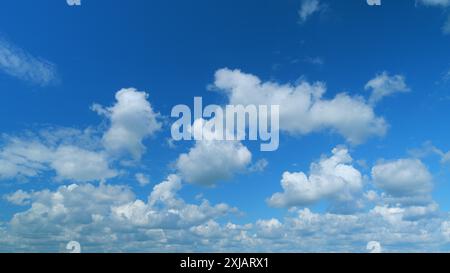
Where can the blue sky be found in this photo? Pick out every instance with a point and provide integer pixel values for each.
(69, 170)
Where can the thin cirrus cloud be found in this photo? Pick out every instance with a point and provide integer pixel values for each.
(308, 8)
(446, 27)
(384, 85)
(18, 63)
(29, 157)
(441, 3)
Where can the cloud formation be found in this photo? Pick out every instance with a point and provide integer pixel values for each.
(212, 160)
(330, 178)
(132, 119)
(30, 156)
(440, 3)
(308, 8)
(106, 217)
(18, 63)
(303, 108)
(403, 177)
(384, 85)
(83, 155)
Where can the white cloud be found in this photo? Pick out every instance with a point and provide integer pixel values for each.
(446, 75)
(306, 231)
(332, 177)
(398, 214)
(165, 191)
(108, 217)
(393, 215)
(315, 60)
(384, 85)
(73, 163)
(142, 179)
(132, 119)
(165, 209)
(303, 109)
(82, 156)
(210, 161)
(23, 158)
(19, 198)
(429, 149)
(271, 228)
(441, 3)
(31, 156)
(62, 214)
(445, 229)
(17, 63)
(403, 177)
(446, 27)
(308, 8)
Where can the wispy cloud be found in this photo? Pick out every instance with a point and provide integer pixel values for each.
(384, 85)
(315, 60)
(308, 8)
(18, 63)
(445, 4)
(446, 26)
(441, 3)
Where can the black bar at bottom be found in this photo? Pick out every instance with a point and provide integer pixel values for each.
(225, 262)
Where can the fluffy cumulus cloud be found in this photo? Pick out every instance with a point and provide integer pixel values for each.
(73, 163)
(18, 63)
(384, 85)
(211, 159)
(132, 119)
(309, 231)
(165, 209)
(107, 216)
(333, 177)
(396, 210)
(271, 228)
(309, 8)
(303, 108)
(113, 219)
(403, 177)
